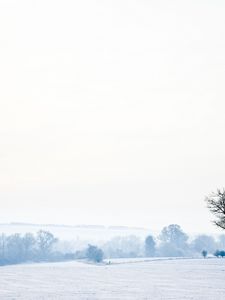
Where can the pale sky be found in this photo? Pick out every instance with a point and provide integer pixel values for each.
(111, 112)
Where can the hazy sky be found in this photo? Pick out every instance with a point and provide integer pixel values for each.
(111, 112)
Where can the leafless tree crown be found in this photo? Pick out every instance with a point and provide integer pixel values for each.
(216, 204)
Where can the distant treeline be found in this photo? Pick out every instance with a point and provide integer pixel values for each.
(171, 242)
(44, 246)
(17, 248)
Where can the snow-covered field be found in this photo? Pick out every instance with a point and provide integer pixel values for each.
(161, 279)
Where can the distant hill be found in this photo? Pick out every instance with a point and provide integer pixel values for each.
(72, 232)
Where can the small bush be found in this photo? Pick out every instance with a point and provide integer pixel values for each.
(220, 253)
(204, 253)
(94, 253)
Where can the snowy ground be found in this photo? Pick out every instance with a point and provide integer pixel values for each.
(160, 279)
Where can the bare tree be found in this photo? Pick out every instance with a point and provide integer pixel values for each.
(173, 234)
(216, 204)
(2, 247)
(45, 241)
(204, 242)
(28, 245)
(150, 246)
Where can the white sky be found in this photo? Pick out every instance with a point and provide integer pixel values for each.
(111, 112)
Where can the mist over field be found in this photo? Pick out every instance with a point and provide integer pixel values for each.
(111, 149)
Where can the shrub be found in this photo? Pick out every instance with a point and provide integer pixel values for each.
(217, 253)
(204, 253)
(94, 253)
(220, 253)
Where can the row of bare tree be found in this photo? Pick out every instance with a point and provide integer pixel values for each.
(18, 248)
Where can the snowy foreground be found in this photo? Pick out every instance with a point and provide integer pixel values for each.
(160, 279)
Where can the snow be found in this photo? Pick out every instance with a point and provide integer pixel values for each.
(176, 279)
